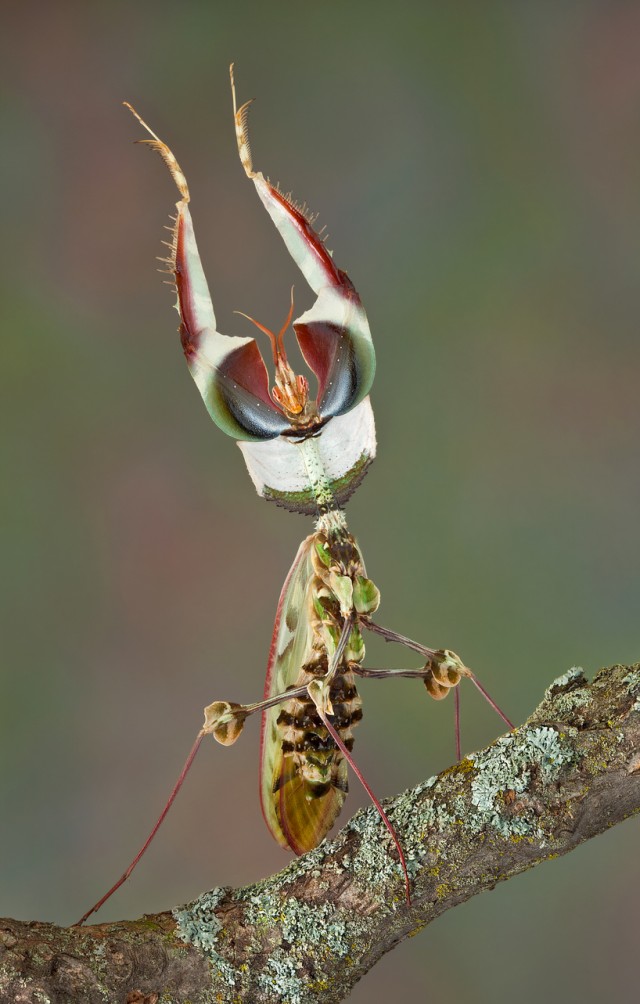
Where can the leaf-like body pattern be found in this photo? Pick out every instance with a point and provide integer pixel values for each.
(298, 812)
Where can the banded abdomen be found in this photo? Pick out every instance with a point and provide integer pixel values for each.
(304, 774)
(311, 783)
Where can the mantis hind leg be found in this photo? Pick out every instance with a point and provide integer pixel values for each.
(425, 674)
(439, 672)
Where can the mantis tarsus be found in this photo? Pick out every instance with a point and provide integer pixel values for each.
(309, 455)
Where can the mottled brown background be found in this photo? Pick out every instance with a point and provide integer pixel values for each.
(477, 167)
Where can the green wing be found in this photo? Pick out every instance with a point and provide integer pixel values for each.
(297, 816)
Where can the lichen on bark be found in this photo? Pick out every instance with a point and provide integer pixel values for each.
(309, 933)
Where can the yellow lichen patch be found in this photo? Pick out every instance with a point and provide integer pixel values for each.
(417, 930)
(319, 985)
(465, 766)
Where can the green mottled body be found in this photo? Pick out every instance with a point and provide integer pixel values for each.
(304, 774)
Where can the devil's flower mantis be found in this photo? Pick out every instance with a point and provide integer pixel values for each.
(308, 454)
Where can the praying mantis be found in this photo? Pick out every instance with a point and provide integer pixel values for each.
(308, 454)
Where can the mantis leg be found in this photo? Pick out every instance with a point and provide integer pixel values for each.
(385, 819)
(423, 674)
(400, 639)
(387, 674)
(221, 716)
(125, 875)
(437, 661)
(224, 721)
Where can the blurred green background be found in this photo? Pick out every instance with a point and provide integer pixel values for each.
(477, 168)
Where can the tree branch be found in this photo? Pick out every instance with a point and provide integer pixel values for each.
(309, 933)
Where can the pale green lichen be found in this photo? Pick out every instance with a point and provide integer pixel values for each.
(416, 818)
(308, 929)
(508, 766)
(318, 929)
(564, 704)
(283, 980)
(570, 677)
(312, 861)
(497, 775)
(301, 923)
(632, 680)
(318, 923)
(198, 925)
(373, 856)
(636, 705)
(568, 692)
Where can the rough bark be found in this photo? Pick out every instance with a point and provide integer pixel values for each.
(308, 934)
